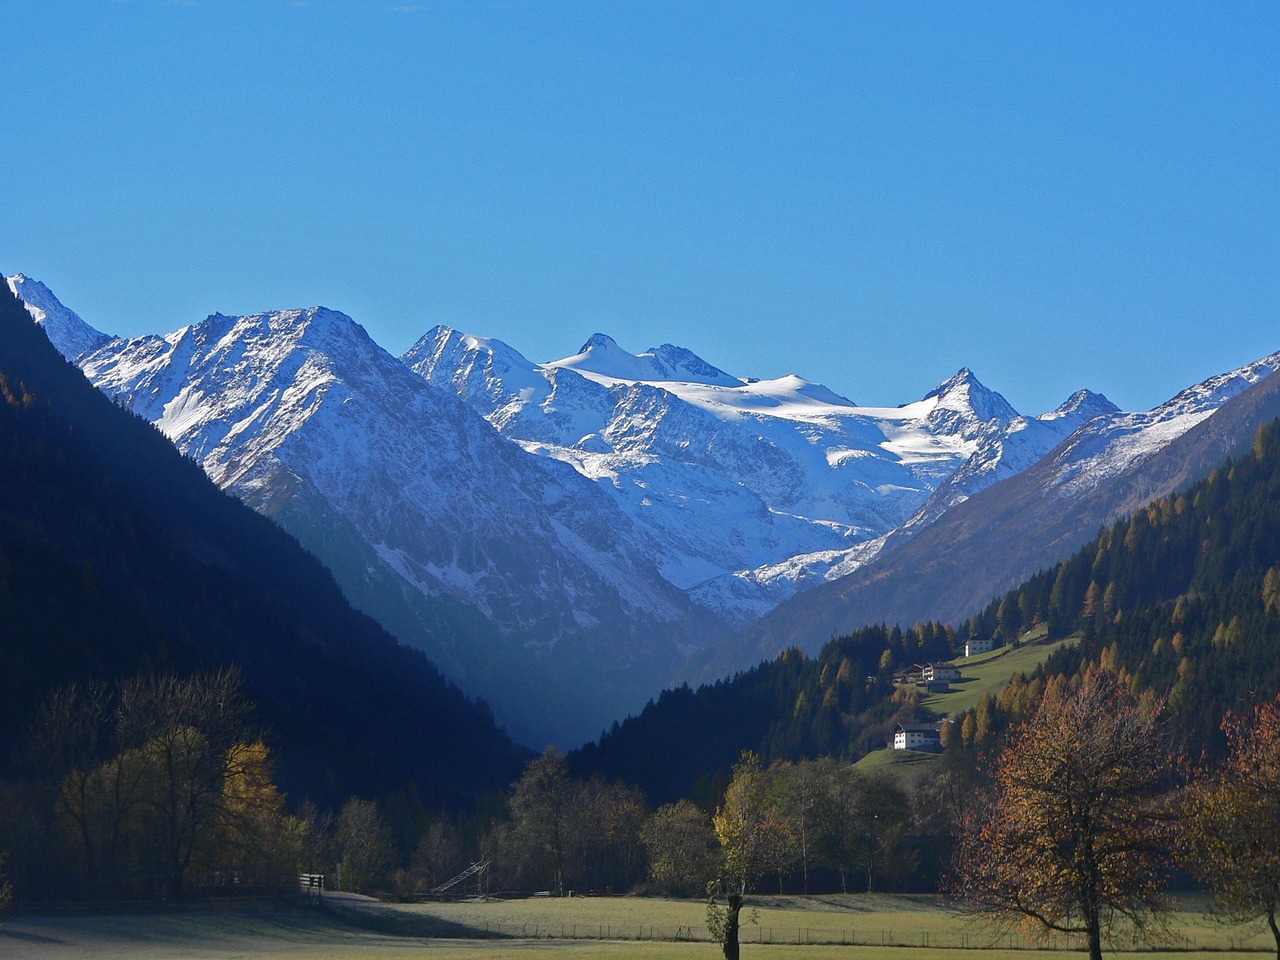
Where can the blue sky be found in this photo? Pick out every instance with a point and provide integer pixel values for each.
(868, 194)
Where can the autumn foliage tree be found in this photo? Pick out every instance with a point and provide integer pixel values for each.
(681, 848)
(755, 839)
(1074, 833)
(157, 780)
(1234, 840)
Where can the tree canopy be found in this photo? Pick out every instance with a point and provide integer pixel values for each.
(1075, 832)
(1234, 840)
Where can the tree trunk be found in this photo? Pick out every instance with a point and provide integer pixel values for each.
(731, 950)
(1275, 930)
(1095, 937)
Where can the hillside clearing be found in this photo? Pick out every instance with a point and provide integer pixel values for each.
(989, 673)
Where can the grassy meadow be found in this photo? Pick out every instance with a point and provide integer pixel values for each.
(982, 674)
(990, 672)
(882, 926)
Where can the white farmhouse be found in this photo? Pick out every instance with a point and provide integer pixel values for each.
(976, 646)
(916, 736)
(940, 672)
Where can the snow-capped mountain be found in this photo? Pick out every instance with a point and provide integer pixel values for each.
(1114, 444)
(562, 534)
(754, 488)
(988, 543)
(68, 333)
(516, 574)
(1001, 453)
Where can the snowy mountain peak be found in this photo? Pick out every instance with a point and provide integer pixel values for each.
(1082, 405)
(474, 366)
(680, 363)
(602, 358)
(66, 331)
(796, 389)
(601, 341)
(965, 396)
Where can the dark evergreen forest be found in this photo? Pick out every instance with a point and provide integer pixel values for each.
(120, 557)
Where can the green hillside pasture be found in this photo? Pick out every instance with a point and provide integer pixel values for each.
(368, 932)
(1030, 638)
(989, 673)
(983, 674)
(906, 767)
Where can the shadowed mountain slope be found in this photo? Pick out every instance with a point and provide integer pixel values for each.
(118, 555)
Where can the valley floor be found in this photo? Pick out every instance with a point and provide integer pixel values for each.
(617, 928)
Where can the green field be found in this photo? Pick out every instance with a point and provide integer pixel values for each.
(990, 672)
(880, 927)
(907, 767)
(985, 673)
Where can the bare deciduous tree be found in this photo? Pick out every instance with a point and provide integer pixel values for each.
(364, 845)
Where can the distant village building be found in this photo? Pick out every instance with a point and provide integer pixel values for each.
(940, 672)
(933, 677)
(916, 736)
(977, 646)
(909, 677)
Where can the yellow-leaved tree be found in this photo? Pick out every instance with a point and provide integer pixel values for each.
(755, 839)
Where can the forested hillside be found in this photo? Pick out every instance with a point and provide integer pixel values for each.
(1183, 599)
(839, 703)
(999, 537)
(118, 556)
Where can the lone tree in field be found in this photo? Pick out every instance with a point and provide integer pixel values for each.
(1234, 840)
(543, 821)
(754, 840)
(1073, 835)
(364, 843)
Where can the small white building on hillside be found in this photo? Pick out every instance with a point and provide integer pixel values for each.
(916, 736)
(938, 672)
(976, 646)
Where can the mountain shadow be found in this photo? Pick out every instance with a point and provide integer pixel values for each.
(119, 556)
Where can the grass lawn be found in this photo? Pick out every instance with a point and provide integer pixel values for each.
(990, 672)
(907, 767)
(885, 926)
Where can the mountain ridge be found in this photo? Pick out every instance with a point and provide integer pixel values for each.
(754, 489)
(509, 570)
(647, 514)
(1000, 536)
(119, 556)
